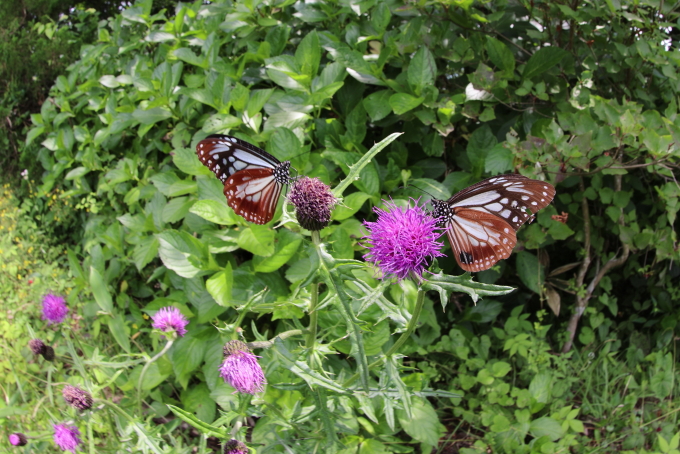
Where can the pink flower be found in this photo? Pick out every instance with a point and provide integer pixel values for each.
(235, 447)
(313, 202)
(170, 319)
(54, 308)
(17, 439)
(402, 241)
(240, 368)
(67, 438)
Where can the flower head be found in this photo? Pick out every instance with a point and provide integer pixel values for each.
(37, 346)
(17, 439)
(313, 202)
(77, 398)
(240, 368)
(49, 353)
(67, 438)
(402, 240)
(54, 308)
(235, 447)
(170, 319)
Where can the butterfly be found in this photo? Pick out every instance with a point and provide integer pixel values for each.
(481, 220)
(252, 178)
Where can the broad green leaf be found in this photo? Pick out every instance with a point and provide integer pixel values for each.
(287, 244)
(219, 285)
(197, 399)
(378, 104)
(216, 212)
(422, 70)
(119, 332)
(151, 116)
(308, 54)
(181, 252)
(145, 251)
(176, 209)
(187, 55)
(546, 427)
(498, 160)
(500, 55)
(402, 102)
(349, 205)
(540, 387)
(186, 160)
(530, 271)
(542, 60)
(100, 291)
(257, 239)
(220, 123)
(187, 355)
(424, 424)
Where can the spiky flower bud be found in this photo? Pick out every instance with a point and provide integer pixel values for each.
(235, 447)
(313, 202)
(77, 398)
(17, 439)
(37, 346)
(240, 368)
(49, 353)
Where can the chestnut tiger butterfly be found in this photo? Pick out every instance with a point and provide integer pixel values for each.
(481, 220)
(252, 178)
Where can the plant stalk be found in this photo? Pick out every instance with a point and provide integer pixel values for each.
(314, 294)
(146, 366)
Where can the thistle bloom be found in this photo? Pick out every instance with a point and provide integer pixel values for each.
(77, 398)
(37, 346)
(54, 308)
(313, 202)
(17, 439)
(402, 240)
(67, 438)
(235, 447)
(240, 368)
(170, 319)
(49, 353)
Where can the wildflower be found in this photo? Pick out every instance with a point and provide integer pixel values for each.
(67, 438)
(313, 201)
(170, 319)
(17, 439)
(54, 308)
(402, 240)
(37, 346)
(235, 447)
(49, 353)
(240, 368)
(77, 398)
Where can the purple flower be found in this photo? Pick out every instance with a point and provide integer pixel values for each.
(235, 447)
(313, 201)
(17, 439)
(67, 438)
(402, 240)
(54, 308)
(77, 398)
(240, 368)
(170, 319)
(37, 346)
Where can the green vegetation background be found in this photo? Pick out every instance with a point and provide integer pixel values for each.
(103, 111)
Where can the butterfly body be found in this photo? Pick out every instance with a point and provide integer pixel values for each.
(252, 178)
(481, 220)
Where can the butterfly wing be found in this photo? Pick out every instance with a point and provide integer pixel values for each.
(252, 178)
(514, 198)
(481, 220)
(253, 194)
(479, 239)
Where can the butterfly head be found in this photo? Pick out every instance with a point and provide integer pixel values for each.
(282, 173)
(441, 211)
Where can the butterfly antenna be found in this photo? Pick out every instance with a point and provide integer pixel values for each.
(416, 187)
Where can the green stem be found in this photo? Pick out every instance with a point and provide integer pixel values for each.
(90, 436)
(314, 294)
(141, 430)
(146, 366)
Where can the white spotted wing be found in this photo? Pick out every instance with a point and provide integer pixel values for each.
(481, 220)
(252, 178)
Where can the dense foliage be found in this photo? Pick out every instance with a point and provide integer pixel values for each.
(583, 95)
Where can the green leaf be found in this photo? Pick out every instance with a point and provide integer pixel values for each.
(151, 116)
(197, 399)
(202, 426)
(542, 60)
(500, 55)
(119, 332)
(220, 285)
(100, 291)
(181, 252)
(499, 160)
(540, 387)
(145, 251)
(186, 160)
(378, 104)
(215, 212)
(187, 355)
(530, 271)
(257, 239)
(424, 424)
(402, 102)
(287, 244)
(220, 123)
(187, 55)
(500, 369)
(422, 70)
(444, 284)
(308, 54)
(546, 427)
(176, 209)
(349, 206)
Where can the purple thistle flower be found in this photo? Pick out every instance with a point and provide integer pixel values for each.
(67, 438)
(37, 346)
(77, 398)
(313, 201)
(54, 308)
(235, 447)
(402, 240)
(17, 439)
(240, 368)
(170, 319)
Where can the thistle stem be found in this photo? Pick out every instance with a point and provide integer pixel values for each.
(410, 328)
(314, 294)
(143, 373)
